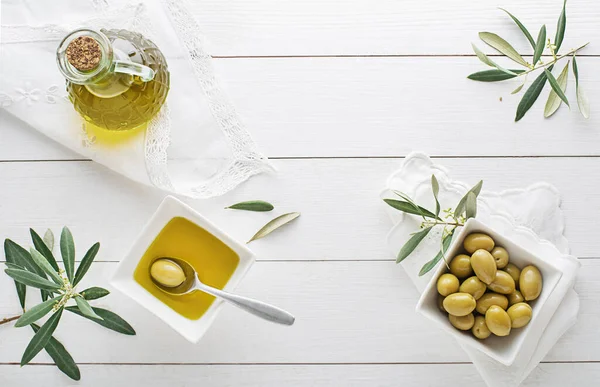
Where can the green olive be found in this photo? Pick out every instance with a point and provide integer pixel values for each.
(476, 241)
(480, 329)
(520, 314)
(515, 297)
(464, 323)
(473, 286)
(503, 284)
(167, 273)
(498, 321)
(459, 304)
(501, 256)
(489, 299)
(484, 266)
(440, 303)
(460, 266)
(530, 283)
(447, 284)
(514, 272)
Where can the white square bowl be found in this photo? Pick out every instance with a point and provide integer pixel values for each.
(502, 349)
(123, 280)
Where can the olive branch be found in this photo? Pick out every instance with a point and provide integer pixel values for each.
(559, 85)
(37, 268)
(449, 219)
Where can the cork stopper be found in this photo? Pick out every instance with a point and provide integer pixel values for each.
(84, 53)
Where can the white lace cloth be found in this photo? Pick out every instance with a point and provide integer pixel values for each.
(196, 146)
(531, 217)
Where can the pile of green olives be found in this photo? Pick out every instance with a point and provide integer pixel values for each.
(484, 293)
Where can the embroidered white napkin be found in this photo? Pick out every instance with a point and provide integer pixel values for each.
(196, 146)
(523, 214)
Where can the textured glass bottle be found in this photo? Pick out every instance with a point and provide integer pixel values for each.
(116, 79)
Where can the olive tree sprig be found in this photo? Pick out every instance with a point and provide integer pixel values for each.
(559, 85)
(39, 269)
(450, 220)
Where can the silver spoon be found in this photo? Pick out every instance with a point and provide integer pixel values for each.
(192, 282)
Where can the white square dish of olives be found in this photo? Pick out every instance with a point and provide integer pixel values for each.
(493, 293)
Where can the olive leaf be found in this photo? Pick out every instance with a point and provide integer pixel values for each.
(63, 360)
(460, 207)
(19, 256)
(502, 46)
(67, 250)
(556, 87)
(582, 101)
(486, 60)
(274, 225)
(431, 264)
(11, 263)
(41, 337)
(31, 279)
(522, 27)
(561, 25)
(435, 187)
(553, 102)
(425, 213)
(471, 205)
(540, 44)
(515, 91)
(493, 75)
(253, 205)
(86, 308)
(86, 262)
(41, 246)
(409, 208)
(37, 312)
(530, 96)
(41, 261)
(412, 243)
(49, 239)
(109, 320)
(94, 293)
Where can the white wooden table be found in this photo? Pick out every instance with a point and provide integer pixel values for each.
(336, 93)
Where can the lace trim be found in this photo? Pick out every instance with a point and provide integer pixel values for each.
(158, 133)
(248, 161)
(158, 139)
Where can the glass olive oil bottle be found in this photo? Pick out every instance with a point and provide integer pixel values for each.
(116, 79)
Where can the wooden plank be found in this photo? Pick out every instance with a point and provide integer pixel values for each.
(351, 107)
(342, 216)
(389, 27)
(347, 312)
(380, 375)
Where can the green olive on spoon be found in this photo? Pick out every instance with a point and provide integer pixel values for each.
(177, 277)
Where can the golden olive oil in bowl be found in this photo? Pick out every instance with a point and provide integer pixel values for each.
(176, 230)
(212, 259)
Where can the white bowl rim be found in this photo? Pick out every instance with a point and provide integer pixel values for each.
(123, 280)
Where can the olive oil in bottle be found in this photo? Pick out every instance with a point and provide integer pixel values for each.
(117, 80)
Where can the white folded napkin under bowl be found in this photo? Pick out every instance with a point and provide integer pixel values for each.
(531, 217)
